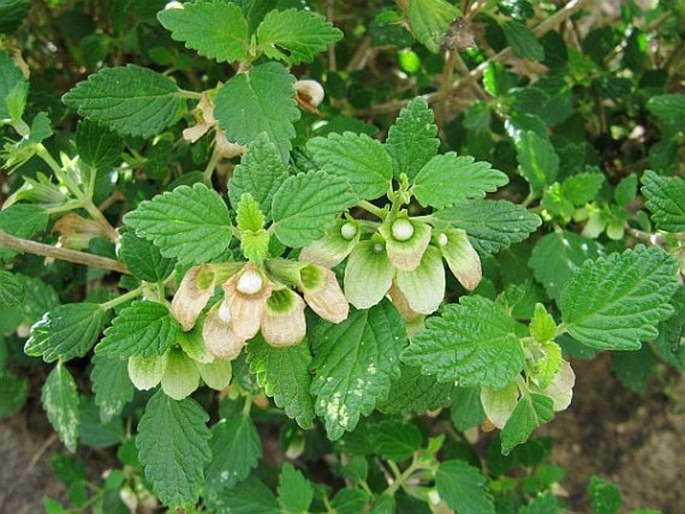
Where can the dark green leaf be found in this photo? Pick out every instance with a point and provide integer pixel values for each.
(111, 385)
(395, 441)
(144, 259)
(666, 199)
(295, 492)
(531, 411)
(462, 488)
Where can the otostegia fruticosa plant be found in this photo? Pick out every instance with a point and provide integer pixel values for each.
(340, 275)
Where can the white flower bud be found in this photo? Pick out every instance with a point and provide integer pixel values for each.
(402, 230)
(348, 231)
(250, 282)
(311, 90)
(174, 5)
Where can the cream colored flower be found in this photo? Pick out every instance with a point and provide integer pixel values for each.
(195, 290)
(284, 323)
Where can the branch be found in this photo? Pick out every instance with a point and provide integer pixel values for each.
(476, 73)
(64, 254)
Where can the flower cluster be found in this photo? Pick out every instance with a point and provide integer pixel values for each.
(257, 299)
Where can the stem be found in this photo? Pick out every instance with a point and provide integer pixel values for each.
(63, 254)
(652, 239)
(191, 95)
(97, 215)
(402, 477)
(368, 206)
(133, 293)
(528, 199)
(561, 329)
(211, 166)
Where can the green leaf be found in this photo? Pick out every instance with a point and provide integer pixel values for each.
(613, 303)
(12, 14)
(542, 326)
(582, 188)
(67, 331)
(531, 411)
(236, 449)
(416, 393)
(462, 488)
(538, 159)
(60, 401)
(21, 220)
(188, 223)
(634, 369)
(260, 173)
(111, 385)
(355, 362)
(306, 204)
(173, 446)
(295, 492)
(11, 289)
(296, 36)
(14, 87)
(522, 41)
(93, 431)
(412, 140)
(605, 497)
(669, 110)
(557, 256)
(448, 180)
(13, 393)
(131, 100)
(215, 28)
(394, 440)
(626, 190)
(349, 501)
(144, 328)
(492, 225)
(473, 342)
(356, 158)
(430, 20)
(252, 497)
(144, 259)
(256, 101)
(97, 146)
(284, 375)
(467, 409)
(666, 199)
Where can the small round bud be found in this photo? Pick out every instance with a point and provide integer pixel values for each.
(174, 5)
(377, 248)
(224, 312)
(348, 231)
(402, 230)
(442, 239)
(250, 282)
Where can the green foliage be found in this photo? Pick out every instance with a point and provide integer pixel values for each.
(176, 475)
(462, 487)
(13, 89)
(129, 100)
(666, 200)
(60, 401)
(429, 21)
(295, 492)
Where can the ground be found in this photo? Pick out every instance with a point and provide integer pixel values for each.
(634, 441)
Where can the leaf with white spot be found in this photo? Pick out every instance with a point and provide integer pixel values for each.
(60, 401)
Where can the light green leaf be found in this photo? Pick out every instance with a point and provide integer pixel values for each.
(522, 41)
(15, 390)
(462, 488)
(236, 449)
(131, 100)
(542, 326)
(626, 190)
(60, 401)
(111, 385)
(532, 411)
(284, 374)
(14, 89)
(11, 289)
(173, 446)
(67, 331)
(582, 188)
(355, 362)
(557, 256)
(97, 146)
(12, 13)
(412, 140)
(605, 497)
(368, 274)
(416, 393)
(252, 497)
(448, 180)
(613, 303)
(356, 158)
(669, 110)
(181, 375)
(144, 328)
(430, 20)
(295, 35)
(666, 200)
(394, 440)
(492, 225)
(538, 159)
(473, 342)
(21, 220)
(256, 101)
(215, 28)
(295, 492)
(189, 223)
(260, 173)
(143, 259)
(306, 205)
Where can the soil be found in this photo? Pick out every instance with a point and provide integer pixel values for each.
(634, 441)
